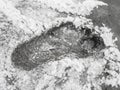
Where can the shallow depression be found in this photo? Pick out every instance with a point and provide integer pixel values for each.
(56, 43)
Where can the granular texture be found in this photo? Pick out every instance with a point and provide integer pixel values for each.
(56, 43)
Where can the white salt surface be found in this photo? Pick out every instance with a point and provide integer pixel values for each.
(22, 20)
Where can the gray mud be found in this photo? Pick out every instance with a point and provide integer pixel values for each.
(56, 43)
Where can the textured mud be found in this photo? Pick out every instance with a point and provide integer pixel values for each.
(55, 44)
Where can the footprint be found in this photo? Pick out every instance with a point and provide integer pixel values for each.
(57, 42)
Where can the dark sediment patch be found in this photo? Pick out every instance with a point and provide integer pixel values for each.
(57, 42)
(109, 87)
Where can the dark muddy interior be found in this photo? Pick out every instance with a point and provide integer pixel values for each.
(55, 43)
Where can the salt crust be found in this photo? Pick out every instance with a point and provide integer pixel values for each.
(54, 72)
